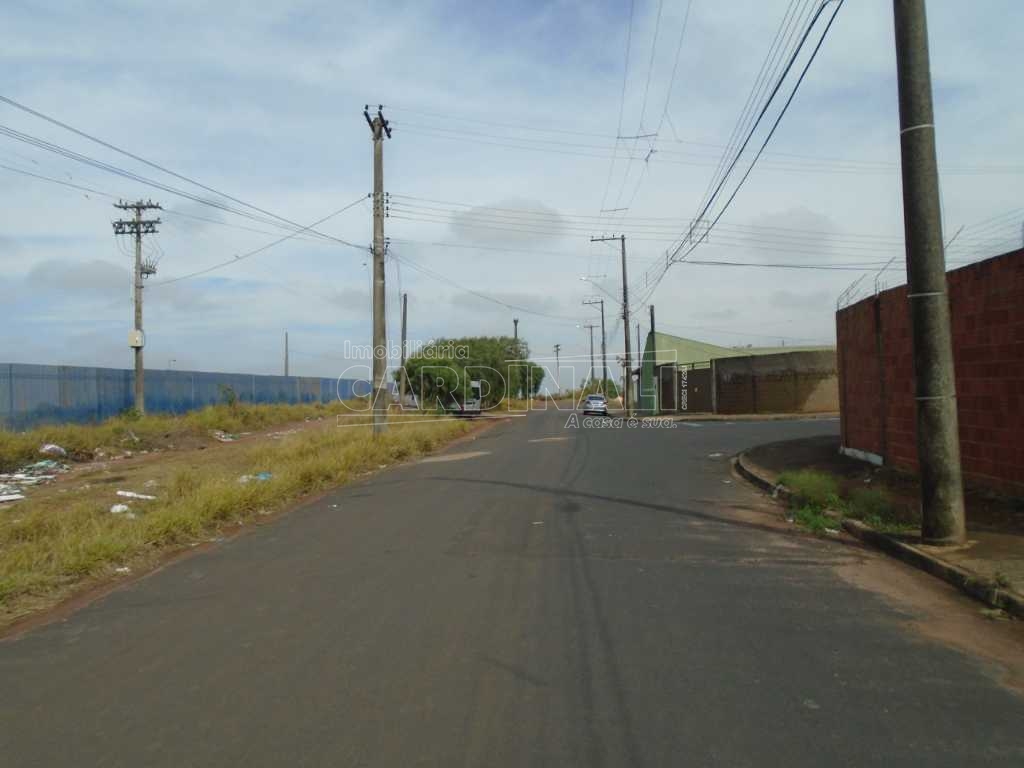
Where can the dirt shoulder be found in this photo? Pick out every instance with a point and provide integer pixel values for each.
(74, 538)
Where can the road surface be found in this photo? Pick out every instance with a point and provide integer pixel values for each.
(539, 596)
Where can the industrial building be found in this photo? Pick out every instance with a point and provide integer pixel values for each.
(680, 375)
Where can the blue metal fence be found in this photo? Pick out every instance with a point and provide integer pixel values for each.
(39, 394)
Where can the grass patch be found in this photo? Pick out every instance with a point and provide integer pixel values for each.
(132, 432)
(814, 493)
(811, 489)
(65, 534)
(874, 507)
(814, 519)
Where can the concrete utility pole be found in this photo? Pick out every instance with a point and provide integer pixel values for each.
(286, 353)
(378, 128)
(604, 340)
(515, 323)
(401, 371)
(625, 318)
(639, 353)
(136, 340)
(558, 371)
(654, 363)
(938, 440)
(590, 327)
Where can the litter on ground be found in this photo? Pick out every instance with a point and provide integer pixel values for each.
(134, 495)
(52, 449)
(122, 569)
(224, 437)
(259, 476)
(119, 509)
(13, 485)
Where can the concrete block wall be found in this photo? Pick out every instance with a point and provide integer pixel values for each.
(787, 382)
(877, 376)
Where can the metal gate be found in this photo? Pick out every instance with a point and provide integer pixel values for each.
(684, 388)
(667, 388)
(694, 389)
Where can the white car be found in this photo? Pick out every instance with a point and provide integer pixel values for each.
(595, 404)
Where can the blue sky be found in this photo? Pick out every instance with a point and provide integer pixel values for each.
(264, 101)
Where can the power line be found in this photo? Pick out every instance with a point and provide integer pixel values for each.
(877, 166)
(569, 222)
(836, 166)
(144, 161)
(643, 111)
(270, 218)
(486, 297)
(166, 212)
(671, 257)
(664, 114)
(453, 207)
(262, 248)
(749, 104)
(622, 105)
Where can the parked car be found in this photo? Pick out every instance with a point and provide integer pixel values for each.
(595, 404)
(468, 402)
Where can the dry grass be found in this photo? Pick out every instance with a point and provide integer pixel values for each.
(82, 441)
(65, 534)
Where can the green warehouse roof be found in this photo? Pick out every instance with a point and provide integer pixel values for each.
(676, 349)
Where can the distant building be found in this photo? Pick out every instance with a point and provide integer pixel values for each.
(685, 375)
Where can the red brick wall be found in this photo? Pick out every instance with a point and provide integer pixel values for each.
(876, 377)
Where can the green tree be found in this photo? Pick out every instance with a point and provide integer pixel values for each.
(439, 373)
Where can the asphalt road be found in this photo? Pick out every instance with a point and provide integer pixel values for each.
(540, 596)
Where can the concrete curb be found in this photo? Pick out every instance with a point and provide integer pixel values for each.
(749, 471)
(745, 416)
(978, 587)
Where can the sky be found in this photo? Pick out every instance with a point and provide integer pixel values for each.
(505, 160)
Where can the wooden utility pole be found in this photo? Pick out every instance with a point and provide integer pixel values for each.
(286, 353)
(627, 383)
(379, 128)
(401, 370)
(938, 441)
(138, 227)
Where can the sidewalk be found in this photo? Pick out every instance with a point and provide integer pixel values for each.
(833, 415)
(989, 566)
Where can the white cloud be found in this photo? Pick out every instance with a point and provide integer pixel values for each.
(264, 101)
